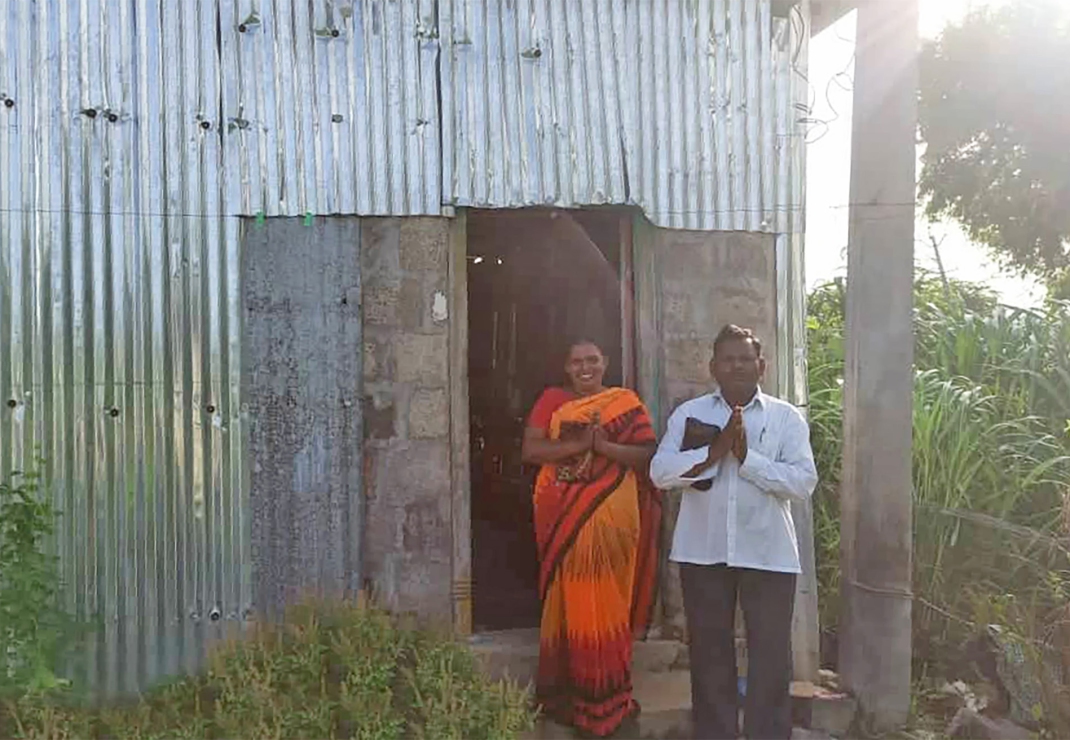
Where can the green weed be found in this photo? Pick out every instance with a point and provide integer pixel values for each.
(328, 671)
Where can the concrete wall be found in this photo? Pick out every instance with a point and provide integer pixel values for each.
(709, 280)
(301, 377)
(345, 380)
(688, 285)
(408, 538)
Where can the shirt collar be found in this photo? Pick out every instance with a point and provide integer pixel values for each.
(758, 400)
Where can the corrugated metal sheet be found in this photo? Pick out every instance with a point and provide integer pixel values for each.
(685, 109)
(119, 350)
(132, 135)
(325, 107)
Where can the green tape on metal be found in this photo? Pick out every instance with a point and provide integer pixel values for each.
(308, 218)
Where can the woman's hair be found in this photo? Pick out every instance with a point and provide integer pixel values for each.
(576, 342)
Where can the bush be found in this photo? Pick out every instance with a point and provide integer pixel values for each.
(330, 671)
(33, 628)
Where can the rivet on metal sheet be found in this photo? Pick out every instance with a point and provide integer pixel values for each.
(9, 103)
(251, 23)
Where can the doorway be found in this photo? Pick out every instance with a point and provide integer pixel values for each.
(537, 278)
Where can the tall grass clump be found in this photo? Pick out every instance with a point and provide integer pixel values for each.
(328, 671)
(34, 630)
(991, 458)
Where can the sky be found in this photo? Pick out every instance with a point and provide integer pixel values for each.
(829, 169)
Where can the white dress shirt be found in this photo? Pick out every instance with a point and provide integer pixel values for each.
(744, 519)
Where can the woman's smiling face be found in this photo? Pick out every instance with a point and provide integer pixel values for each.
(585, 367)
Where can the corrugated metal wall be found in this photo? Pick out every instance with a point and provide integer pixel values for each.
(121, 355)
(685, 108)
(133, 133)
(337, 103)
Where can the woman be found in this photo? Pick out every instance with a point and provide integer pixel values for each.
(597, 519)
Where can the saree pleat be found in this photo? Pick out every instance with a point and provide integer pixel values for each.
(597, 548)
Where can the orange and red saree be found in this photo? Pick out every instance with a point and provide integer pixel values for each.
(596, 525)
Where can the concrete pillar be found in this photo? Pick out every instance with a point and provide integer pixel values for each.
(875, 624)
(301, 383)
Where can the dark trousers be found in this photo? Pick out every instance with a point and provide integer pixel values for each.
(767, 599)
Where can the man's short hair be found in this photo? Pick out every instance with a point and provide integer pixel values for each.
(731, 332)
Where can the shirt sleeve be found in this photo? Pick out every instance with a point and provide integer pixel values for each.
(792, 474)
(669, 464)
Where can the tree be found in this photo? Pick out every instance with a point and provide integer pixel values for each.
(994, 111)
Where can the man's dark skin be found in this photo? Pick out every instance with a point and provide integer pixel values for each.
(738, 368)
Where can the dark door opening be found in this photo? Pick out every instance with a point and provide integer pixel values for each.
(537, 278)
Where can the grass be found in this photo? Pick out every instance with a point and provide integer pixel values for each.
(991, 462)
(330, 671)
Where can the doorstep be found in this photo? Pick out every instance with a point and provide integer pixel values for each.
(662, 686)
(665, 699)
(514, 655)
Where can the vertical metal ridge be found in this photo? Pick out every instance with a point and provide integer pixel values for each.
(561, 111)
(410, 98)
(7, 295)
(752, 109)
(674, 198)
(702, 106)
(616, 106)
(110, 412)
(515, 160)
(10, 171)
(722, 116)
(24, 371)
(523, 151)
(737, 172)
(661, 139)
(768, 118)
(694, 57)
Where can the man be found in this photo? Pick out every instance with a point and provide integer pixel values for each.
(740, 458)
